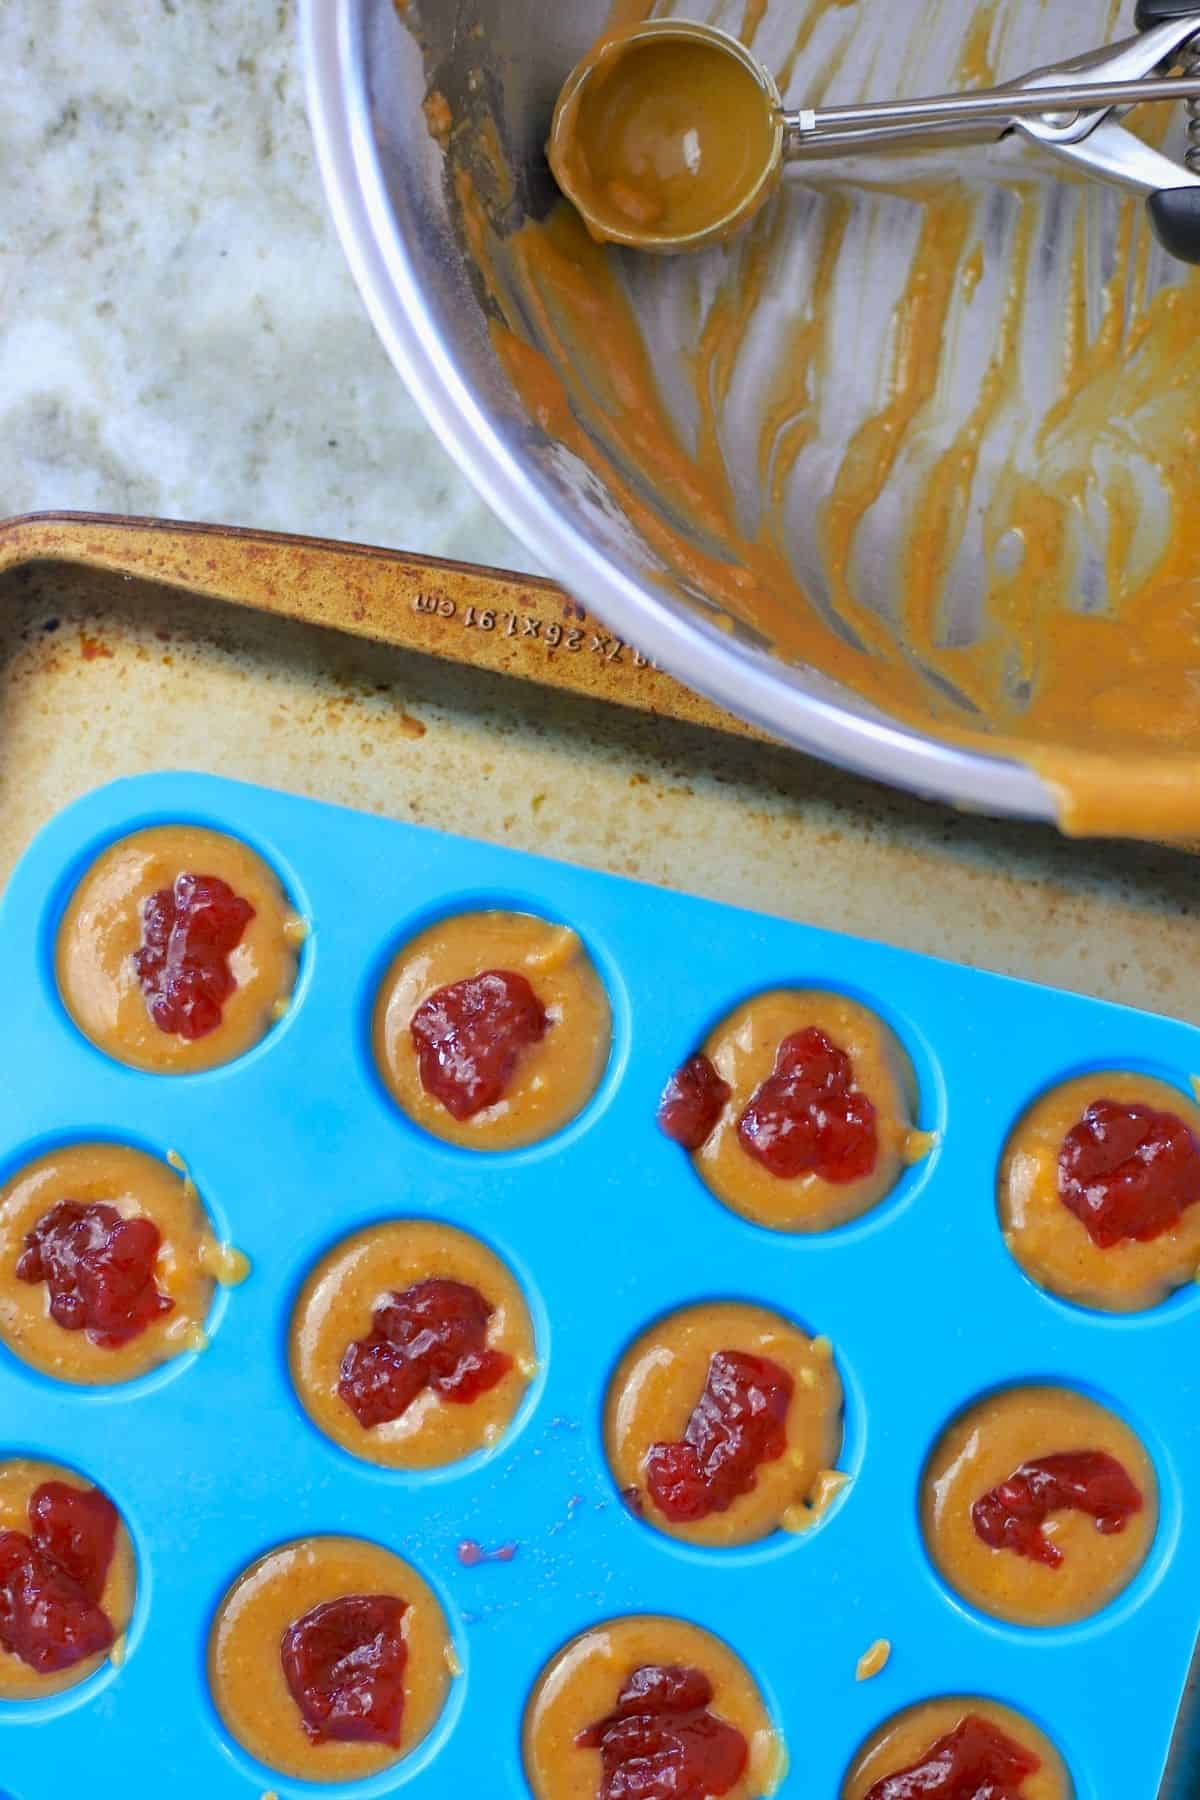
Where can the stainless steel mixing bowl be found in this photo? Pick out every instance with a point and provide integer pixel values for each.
(368, 72)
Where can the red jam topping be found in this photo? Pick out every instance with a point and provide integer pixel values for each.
(1128, 1171)
(692, 1102)
(471, 1553)
(52, 1581)
(808, 1117)
(739, 1422)
(469, 1038)
(99, 1268)
(662, 1743)
(433, 1335)
(188, 933)
(1011, 1515)
(78, 1528)
(975, 1761)
(344, 1665)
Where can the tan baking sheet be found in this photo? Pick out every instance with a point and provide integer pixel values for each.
(126, 647)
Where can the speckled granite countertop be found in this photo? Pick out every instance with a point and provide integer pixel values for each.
(179, 334)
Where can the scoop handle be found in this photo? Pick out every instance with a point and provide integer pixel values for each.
(1174, 212)
(1163, 12)
(1175, 216)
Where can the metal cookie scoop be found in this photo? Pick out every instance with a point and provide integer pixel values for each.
(647, 164)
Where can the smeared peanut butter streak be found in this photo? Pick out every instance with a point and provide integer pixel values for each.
(1069, 478)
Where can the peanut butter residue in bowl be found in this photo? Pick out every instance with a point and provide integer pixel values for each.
(932, 436)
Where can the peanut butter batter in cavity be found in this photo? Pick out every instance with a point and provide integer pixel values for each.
(910, 1735)
(984, 1447)
(580, 1686)
(190, 1261)
(661, 1378)
(1051, 1244)
(101, 932)
(553, 1079)
(743, 1050)
(246, 1675)
(336, 1306)
(19, 1477)
(664, 138)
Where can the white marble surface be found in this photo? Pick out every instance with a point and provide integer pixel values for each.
(179, 334)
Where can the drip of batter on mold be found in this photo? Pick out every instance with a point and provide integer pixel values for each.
(917, 1146)
(873, 1660)
(225, 1263)
(1018, 570)
(826, 1488)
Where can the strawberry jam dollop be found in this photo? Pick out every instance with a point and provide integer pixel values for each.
(1128, 1171)
(51, 1581)
(78, 1528)
(661, 1742)
(470, 1036)
(975, 1761)
(692, 1102)
(1010, 1516)
(739, 1422)
(344, 1666)
(46, 1618)
(433, 1335)
(189, 931)
(808, 1117)
(99, 1268)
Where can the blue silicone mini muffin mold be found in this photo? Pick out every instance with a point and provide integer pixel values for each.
(293, 1147)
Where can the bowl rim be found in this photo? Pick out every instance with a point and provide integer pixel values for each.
(746, 682)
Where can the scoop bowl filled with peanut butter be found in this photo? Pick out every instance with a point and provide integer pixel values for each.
(667, 136)
(901, 462)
